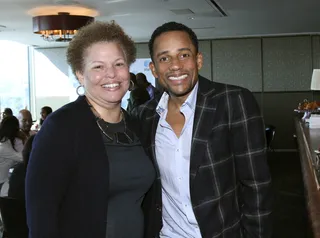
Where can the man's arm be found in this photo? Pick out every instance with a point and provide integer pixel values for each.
(249, 148)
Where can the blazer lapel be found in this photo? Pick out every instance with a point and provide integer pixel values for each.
(154, 125)
(203, 122)
(153, 134)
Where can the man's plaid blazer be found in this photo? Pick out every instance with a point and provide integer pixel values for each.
(230, 184)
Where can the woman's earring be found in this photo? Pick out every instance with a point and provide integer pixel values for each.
(131, 87)
(80, 90)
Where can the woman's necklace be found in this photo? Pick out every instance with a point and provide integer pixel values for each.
(125, 137)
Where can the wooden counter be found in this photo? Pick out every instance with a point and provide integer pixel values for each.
(308, 141)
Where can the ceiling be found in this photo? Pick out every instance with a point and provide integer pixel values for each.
(140, 17)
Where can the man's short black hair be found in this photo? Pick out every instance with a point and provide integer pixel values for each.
(47, 109)
(172, 26)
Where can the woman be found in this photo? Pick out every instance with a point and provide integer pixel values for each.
(10, 146)
(7, 112)
(16, 188)
(88, 173)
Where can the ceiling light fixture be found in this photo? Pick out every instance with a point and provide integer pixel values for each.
(60, 23)
(61, 27)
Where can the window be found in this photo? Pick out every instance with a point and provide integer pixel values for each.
(14, 76)
(53, 84)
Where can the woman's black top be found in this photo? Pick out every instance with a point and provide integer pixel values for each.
(131, 174)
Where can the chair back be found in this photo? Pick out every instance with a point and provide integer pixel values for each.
(13, 213)
(270, 132)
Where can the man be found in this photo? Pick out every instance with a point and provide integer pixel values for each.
(25, 123)
(208, 144)
(144, 83)
(44, 113)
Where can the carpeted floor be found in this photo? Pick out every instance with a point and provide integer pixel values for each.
(290, 211)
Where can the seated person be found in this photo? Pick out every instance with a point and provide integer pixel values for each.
(25, 123)
(44, 113)
(7, 112)
(10, 146)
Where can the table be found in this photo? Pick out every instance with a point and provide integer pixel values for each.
(308, 141)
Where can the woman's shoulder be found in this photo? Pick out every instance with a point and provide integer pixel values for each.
(5, 143)
(6, 146)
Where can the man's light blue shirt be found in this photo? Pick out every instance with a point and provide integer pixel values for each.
(173, 158)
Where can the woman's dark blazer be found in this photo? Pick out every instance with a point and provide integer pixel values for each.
(67, 176)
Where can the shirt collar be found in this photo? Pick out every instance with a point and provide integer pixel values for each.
(190, 101)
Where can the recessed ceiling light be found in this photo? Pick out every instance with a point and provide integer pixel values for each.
(66, 2)
(202, 28)
(115, 1)
(182, 11)
(120, 15)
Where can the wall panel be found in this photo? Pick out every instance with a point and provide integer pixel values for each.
(142, 50)
(205, 49)
(316, 52)
(287, 63)
(238, 62)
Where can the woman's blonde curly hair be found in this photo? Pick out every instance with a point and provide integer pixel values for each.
(96, 32)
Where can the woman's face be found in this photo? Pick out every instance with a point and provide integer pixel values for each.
(105, 75)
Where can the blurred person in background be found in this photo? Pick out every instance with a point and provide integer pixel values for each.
(6, 112)
(45, 111)
(144, 83)
(138, 94)
(25, 123)
(11, 146)
(16, 188)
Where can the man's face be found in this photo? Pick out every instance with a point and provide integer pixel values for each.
(25, 121)
(176, 63)
(43, 114)
(4, 115)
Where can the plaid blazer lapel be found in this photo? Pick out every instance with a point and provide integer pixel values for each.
(203, 122)
(154, 126)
